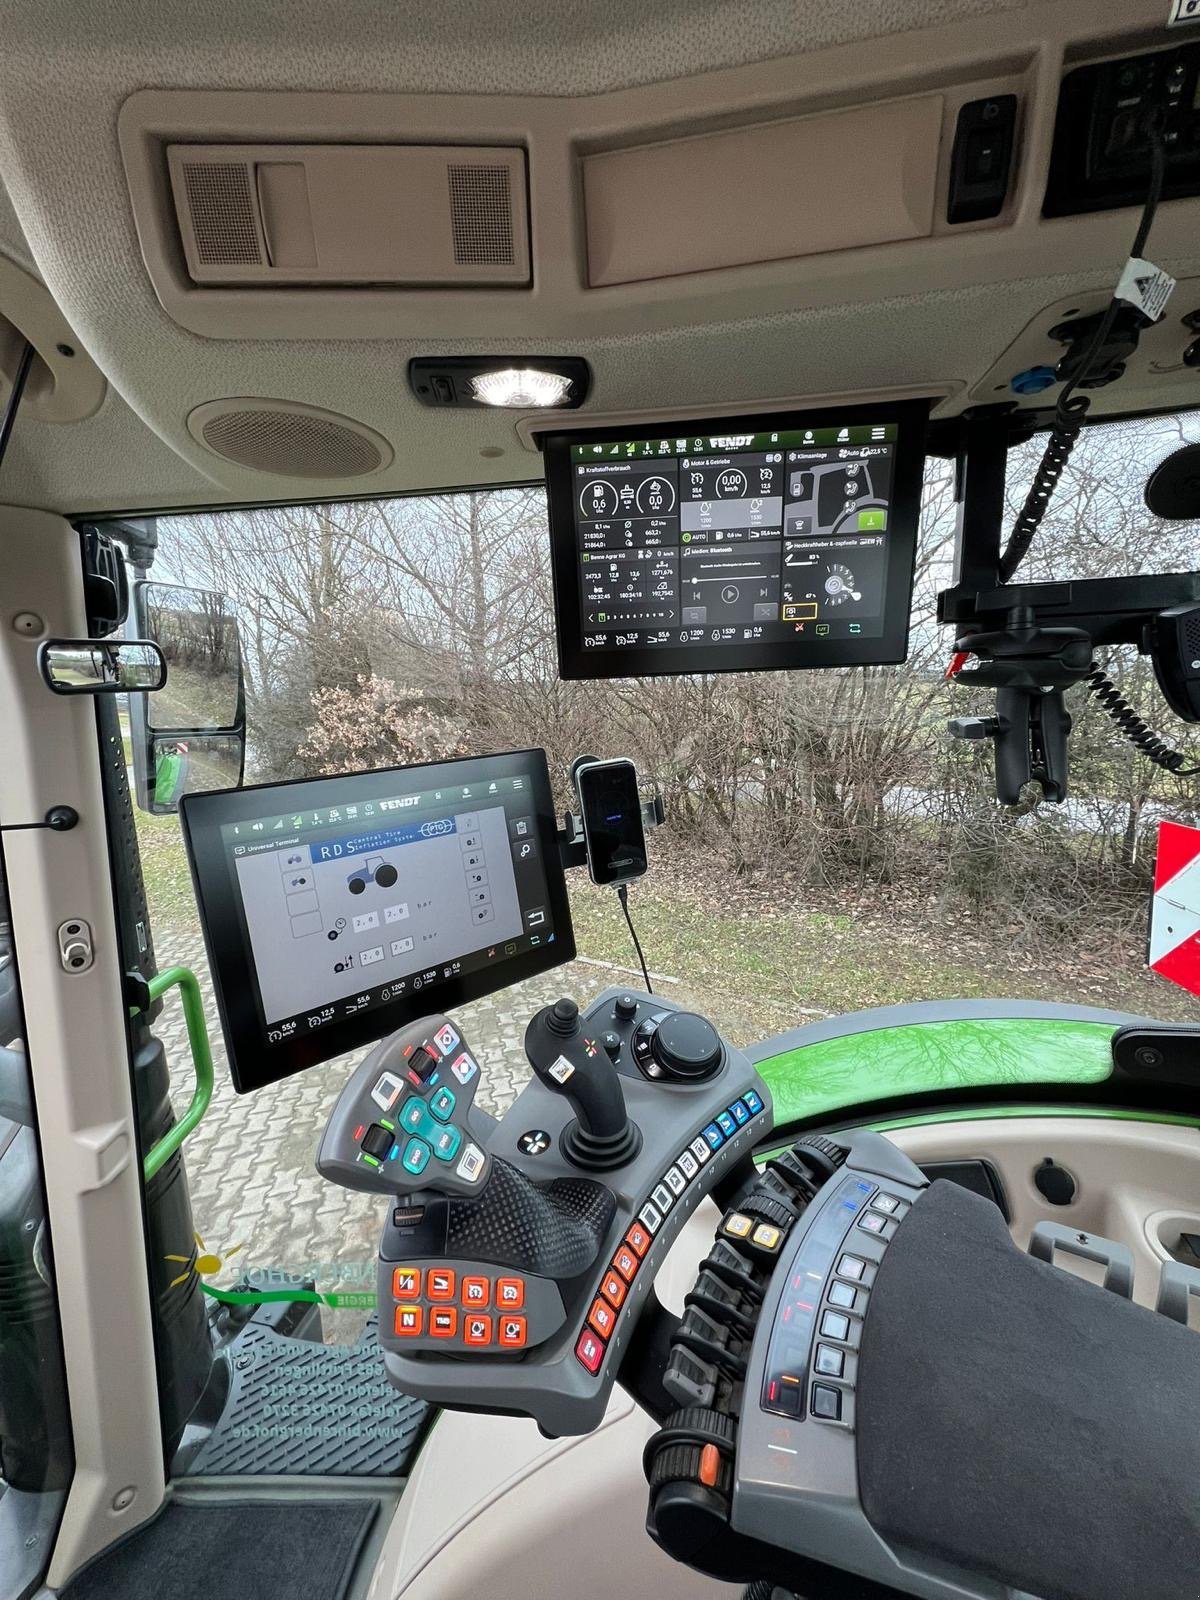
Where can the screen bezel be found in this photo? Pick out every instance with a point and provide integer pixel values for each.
(226, 936)
(888, 649)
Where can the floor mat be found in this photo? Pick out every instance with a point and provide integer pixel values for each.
(296, 1407)
(271, 1549)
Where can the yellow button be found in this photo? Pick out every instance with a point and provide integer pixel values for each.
(766, 1236)
(738, 1226)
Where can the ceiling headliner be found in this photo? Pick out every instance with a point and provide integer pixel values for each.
(66, 70)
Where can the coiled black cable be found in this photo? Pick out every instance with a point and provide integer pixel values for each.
(1072, 408)
(1139, 733)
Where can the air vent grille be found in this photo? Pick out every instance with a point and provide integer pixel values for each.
(297, 444)
(481, 215)
(222, 210)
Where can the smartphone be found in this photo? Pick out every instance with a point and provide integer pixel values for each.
(612, 821)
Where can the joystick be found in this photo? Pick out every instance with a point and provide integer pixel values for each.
(574, 1065)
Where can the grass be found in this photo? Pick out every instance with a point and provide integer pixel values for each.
(757, 959)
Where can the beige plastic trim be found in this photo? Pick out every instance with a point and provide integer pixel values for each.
(1158, 358)
(78, 1052)
(351, 214)
(60, 387)
(956, 61)
(1133, 1177)
(753, 194)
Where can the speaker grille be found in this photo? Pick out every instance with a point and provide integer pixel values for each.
(481, 218)
(222, 209)
(296, 444)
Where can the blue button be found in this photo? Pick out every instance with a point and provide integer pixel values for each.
(413, 1116)
(754, 1101)
(446, 1142)
(442, 1105)
(416, 1156)
(714, 1136)
(726, 1124)
(740, 1115)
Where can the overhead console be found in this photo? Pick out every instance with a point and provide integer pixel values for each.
(728, 544)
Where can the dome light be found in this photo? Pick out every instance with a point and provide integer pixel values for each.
(521, 388)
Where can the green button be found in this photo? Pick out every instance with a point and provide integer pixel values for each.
(446, 1142)
(872, 521)
(442, 1105)
(415, 1118)
(416, 1156)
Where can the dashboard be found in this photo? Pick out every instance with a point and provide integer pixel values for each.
(761, 543)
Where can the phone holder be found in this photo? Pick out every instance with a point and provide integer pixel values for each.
(572, 846)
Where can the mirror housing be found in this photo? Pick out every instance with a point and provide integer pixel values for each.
(193, 737)
(101, 666)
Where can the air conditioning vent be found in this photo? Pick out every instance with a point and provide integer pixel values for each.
(347, 215)
(481, 215)
(223, 213)
(289, 438)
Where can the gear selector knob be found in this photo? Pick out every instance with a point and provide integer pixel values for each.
(568, 1064)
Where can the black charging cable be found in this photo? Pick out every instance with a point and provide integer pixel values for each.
(623, 897)
(1072, 408)
(1139, 733)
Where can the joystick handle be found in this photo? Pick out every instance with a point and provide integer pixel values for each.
(577, 1067)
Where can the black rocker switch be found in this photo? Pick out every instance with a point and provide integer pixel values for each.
(574, 1066)
(982, 160)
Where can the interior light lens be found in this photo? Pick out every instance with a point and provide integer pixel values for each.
(521, 388)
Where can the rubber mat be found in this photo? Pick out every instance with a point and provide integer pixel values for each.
(271, 1549)
(298, 1407)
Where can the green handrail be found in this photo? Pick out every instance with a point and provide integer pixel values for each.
(197, 1030)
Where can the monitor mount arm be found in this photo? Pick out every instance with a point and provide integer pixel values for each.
(1031, 641)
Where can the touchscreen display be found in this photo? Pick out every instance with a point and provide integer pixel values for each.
(337, 909)
(788, 542)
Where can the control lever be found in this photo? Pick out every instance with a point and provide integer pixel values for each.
(601, 1136)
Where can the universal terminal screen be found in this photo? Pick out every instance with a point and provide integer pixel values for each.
(755, 543)
(336, 910)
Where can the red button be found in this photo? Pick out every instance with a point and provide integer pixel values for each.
(409, 1320)
(475, 1293)
(613, 1290)
(638, 1240)
(510, 1293)
(440, 1284)
(589, 1352)
(710, 1465)
(626, 1263)
(406, 1283)
(443, 1322)
(603, 1318)
(513, 1332)
(477, 1330)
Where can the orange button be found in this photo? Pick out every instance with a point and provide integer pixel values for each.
(439, 1283)
(510, 1293)
(613, 1290)
(475, 1292)
(638, 1240)
(603, 1318)
(626, 1263)
(409, 1321)
(477, 1330)
(512, 1332)
(710, 1465)
(406, 1283)
(443, 1321)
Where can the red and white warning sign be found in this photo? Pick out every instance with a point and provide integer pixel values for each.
(1175, 909)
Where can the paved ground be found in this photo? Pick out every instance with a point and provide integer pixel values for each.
(257, 1199)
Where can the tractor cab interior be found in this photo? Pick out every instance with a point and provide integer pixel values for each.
(496, 509)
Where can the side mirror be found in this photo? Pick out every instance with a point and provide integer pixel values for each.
(192, 734)
(101, 666)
